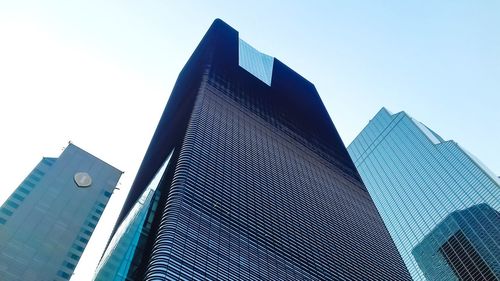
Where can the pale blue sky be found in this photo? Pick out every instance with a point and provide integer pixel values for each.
(100, 72)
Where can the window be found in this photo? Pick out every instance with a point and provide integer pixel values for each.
(36, 171)
(47, 161)
(69, 265)
(7, 212)
(28, 183)
(464, 260)
(33, 177)
(63, 274)
(74, 256)
(12, 204)
(18, 197)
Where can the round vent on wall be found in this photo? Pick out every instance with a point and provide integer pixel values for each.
(82, 179)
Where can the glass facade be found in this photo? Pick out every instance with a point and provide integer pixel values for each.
(260, 186)
(118, 261)
(258, 64)
(417, 180)
(466, 244)
(119, 257)
(48, 220)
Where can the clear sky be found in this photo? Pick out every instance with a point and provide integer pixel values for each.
(99, 73)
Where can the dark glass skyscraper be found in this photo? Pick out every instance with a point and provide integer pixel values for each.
(430, 192)
(246, 178)
(466, 244)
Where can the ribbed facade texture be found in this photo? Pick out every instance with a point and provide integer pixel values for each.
(433, 197)
(259, 185)
(47, 222)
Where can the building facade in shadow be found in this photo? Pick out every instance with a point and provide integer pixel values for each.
(246, 178)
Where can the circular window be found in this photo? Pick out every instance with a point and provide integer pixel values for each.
(82, 179)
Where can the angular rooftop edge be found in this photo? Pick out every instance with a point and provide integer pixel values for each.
(437, 140)
(222, 51)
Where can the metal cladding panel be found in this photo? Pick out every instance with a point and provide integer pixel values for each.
(250, 200)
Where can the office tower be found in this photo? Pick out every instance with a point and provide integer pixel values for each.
(417, 179)
(246, 178)
(48, 220)
(466, 244)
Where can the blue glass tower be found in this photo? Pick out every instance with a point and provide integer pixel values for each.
(259, 185)
(417, 180)
(47, 222)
